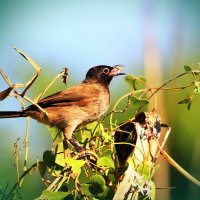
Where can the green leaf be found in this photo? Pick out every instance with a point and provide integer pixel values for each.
(56, 134)
(75, 164)
(136, 101)
(112, 177)
(142, 79)
(105, 161)
(92, 129)
(197, 87)
(86, 136)
(48, 195)
(184, 101)
(98, 185)
(144, 170)
(130, 79)
(49, 158)
(187, 68)
(60, 158)
(153, 191)
(106, 137)
(107, 194)
(144, 101)
(85, 188)
(187, 100)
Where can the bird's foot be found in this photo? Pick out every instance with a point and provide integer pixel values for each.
(76, 145)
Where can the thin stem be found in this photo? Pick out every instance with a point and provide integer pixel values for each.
(119, 101)
(26, 143)
(172, 79)
(53, 81)
(179, 168)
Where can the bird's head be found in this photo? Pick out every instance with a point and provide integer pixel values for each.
(103, 73)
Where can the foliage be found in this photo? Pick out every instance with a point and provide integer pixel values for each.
(98, 172)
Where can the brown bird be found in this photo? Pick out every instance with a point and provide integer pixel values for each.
(75, 106)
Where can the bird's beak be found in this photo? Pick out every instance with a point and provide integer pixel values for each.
(116, 71)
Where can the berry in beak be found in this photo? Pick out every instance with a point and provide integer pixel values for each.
(116, 71)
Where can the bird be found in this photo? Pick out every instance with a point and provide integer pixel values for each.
(75, 106)
(127, 132)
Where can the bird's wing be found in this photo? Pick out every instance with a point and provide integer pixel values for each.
(79, 95)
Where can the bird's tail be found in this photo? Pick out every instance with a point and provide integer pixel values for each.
(12, 114)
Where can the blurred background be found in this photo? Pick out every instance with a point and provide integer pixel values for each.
(154, 39)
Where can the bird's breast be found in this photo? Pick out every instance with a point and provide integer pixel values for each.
(97, 107)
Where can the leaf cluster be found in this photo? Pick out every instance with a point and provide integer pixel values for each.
(96, 172)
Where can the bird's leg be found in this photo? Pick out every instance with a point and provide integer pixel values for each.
(68, 138)
(76, 145)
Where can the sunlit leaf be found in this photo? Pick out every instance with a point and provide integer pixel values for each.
(5, 93)
(130, 79)
(92, 129)
(107, 137)
(75, 164)
(48, 195)
(133, 80)
(95, 127)
(197, 87)
(56, 134)
(60, 159)
(86, 135)
(105, 161)
(145, 170)
(153, 191)
(91, 126)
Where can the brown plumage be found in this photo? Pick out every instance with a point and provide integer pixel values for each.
(75, 106)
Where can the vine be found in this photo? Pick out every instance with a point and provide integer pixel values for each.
(118, 161)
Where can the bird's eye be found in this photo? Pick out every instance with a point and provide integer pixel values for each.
(106, 71)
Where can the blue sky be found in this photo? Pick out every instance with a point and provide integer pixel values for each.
(80, 34)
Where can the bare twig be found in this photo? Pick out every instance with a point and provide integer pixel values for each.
(179, 168)
(34, 64)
